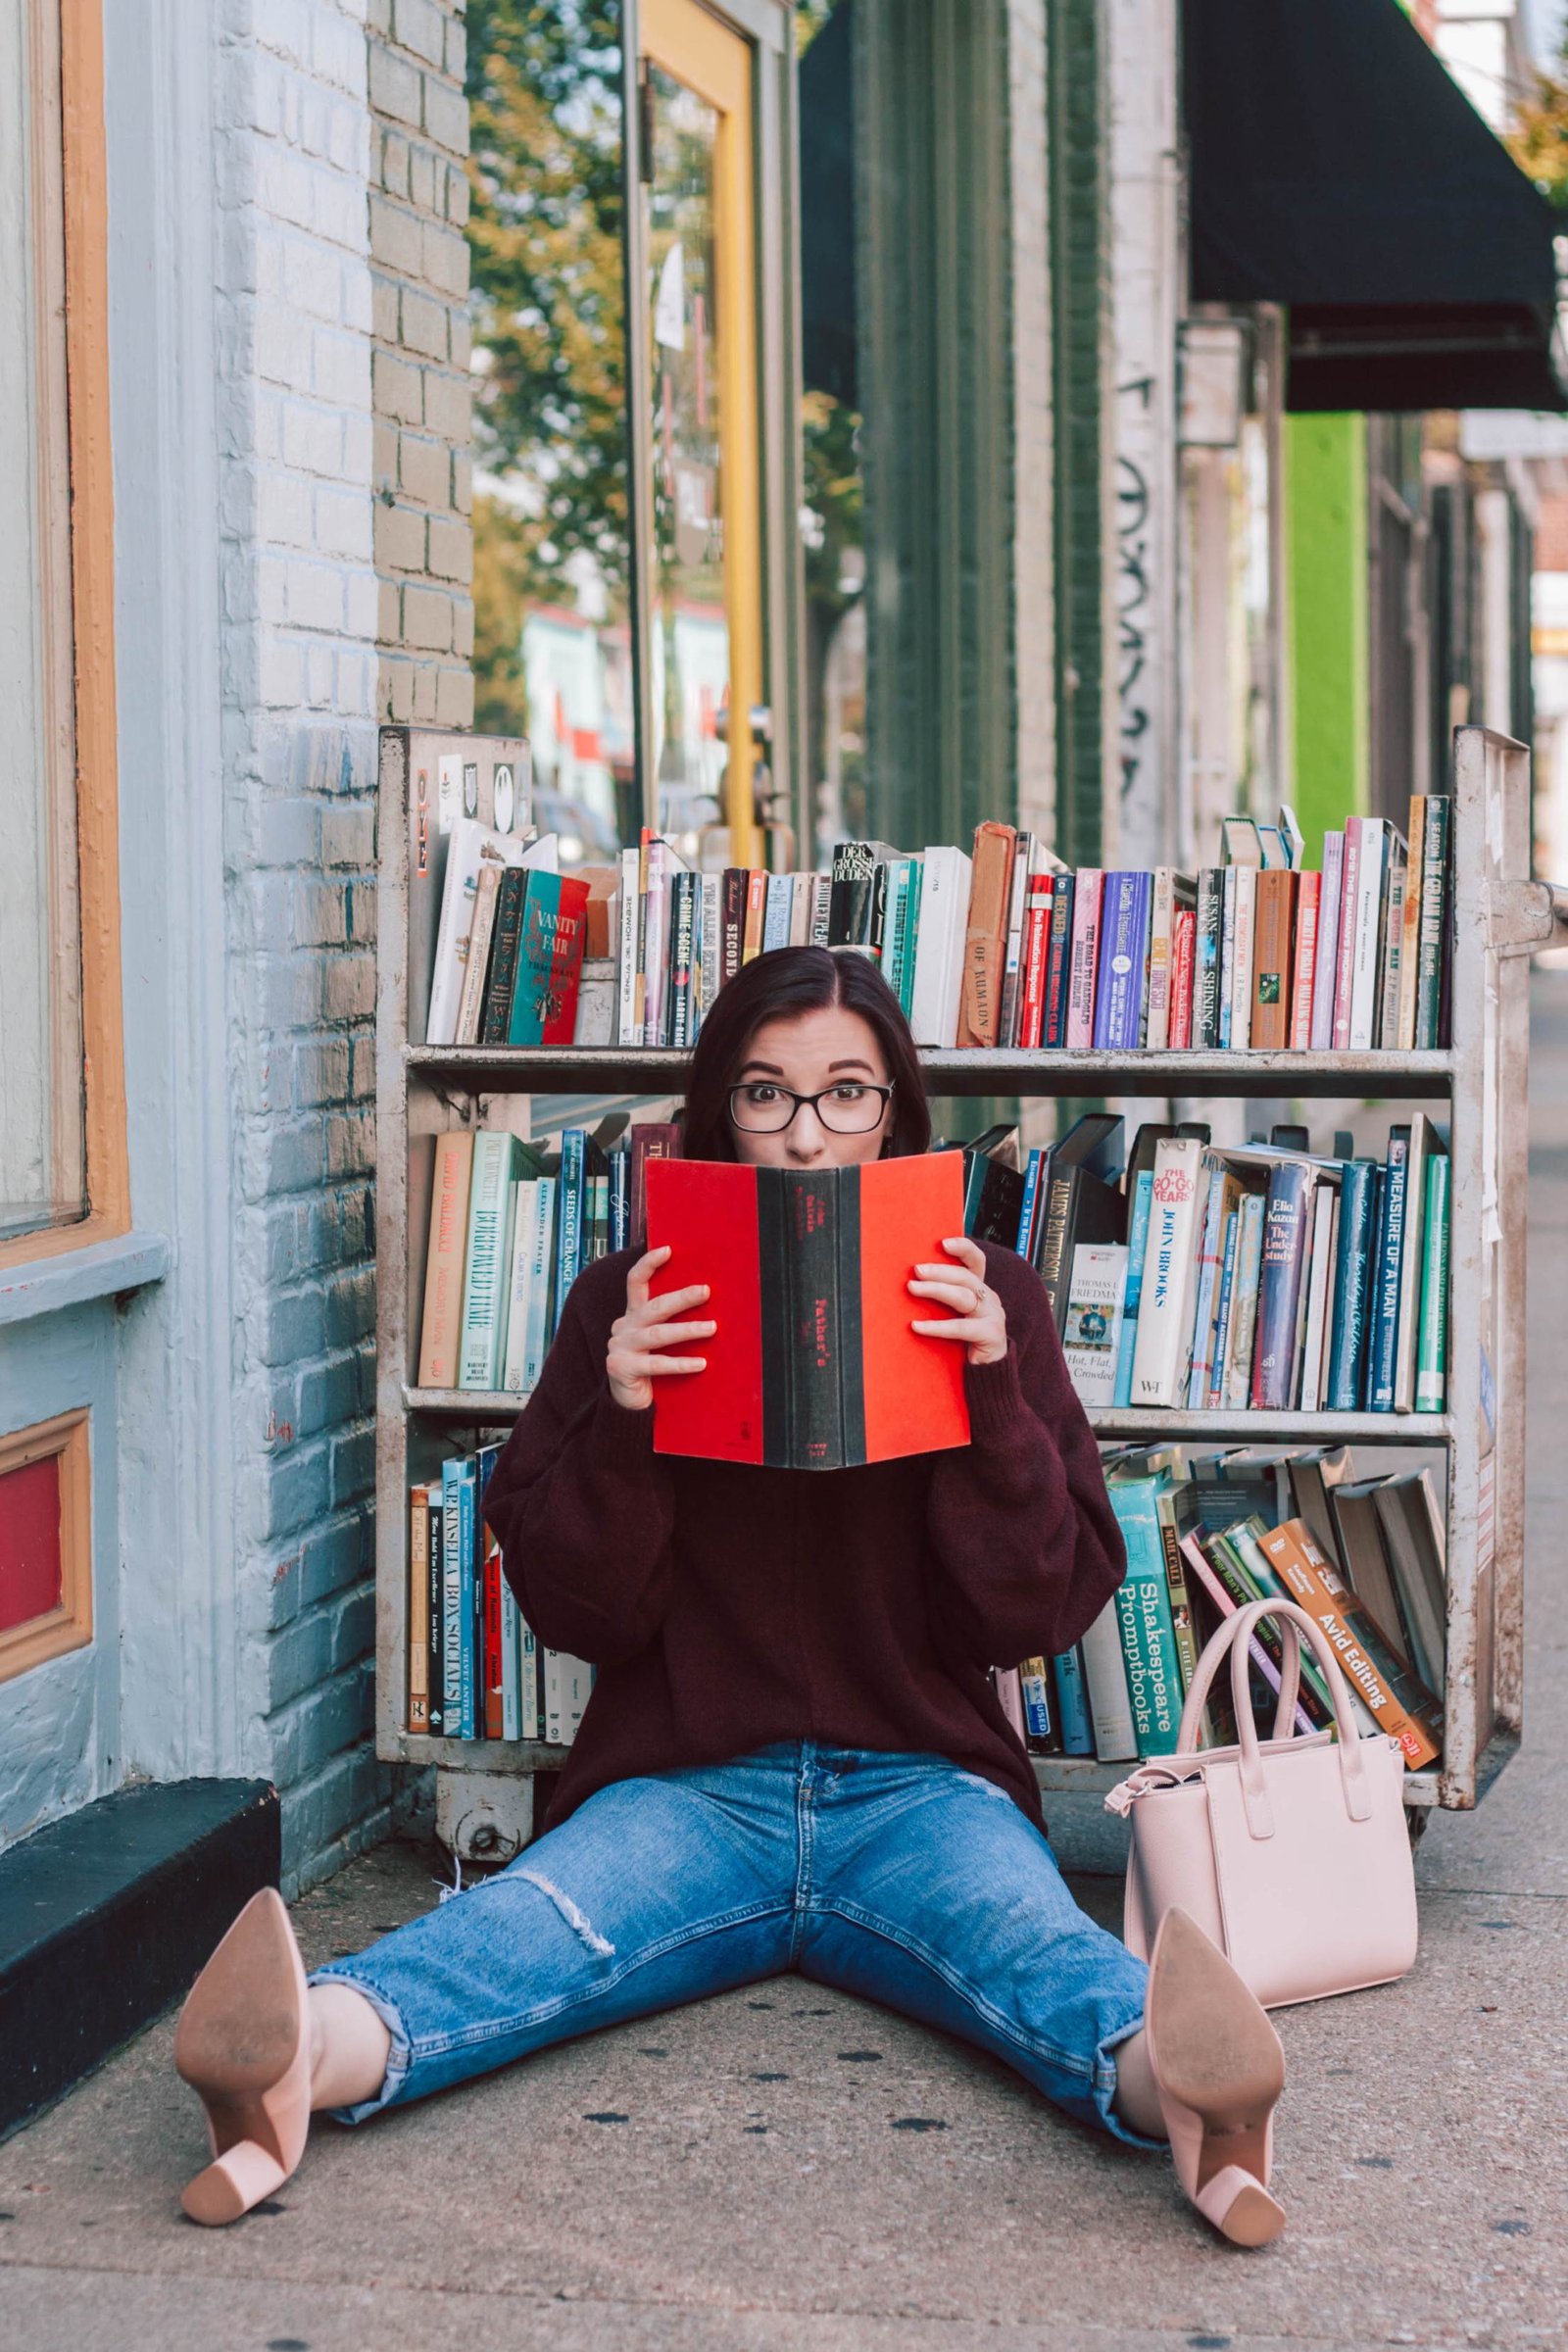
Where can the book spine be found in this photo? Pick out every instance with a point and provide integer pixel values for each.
(732, 922)
(776, 913)
(1410, 924)
(1271, 961)
(914, 895)
(756, 915)
(438, 1606)
(1114, 961)
(1304, 970)
(1387, 1024)
(1397, 1703)
(1144, 1621)
(1245, 879)
(493, 1672)
(441, 1325)
(1345, 1373)
(1165, 1303)
(1058, 961)
(1036, 960)
(1085, 957)
(541, 1304)
(1106, 1677)
(835, 1300)
(1207, 1281)
(1432, 1345)
(1181, 1605)
(512, 1719)
(1073, 1704)
(683, 906)
(1209, 924)
(1344, 958)
(452, 1599)
(1013, 961)
(504, 957)
(1161, 933)
(1227, 956)
(1368, 906)
(1230, 1253)
(1034, 1682)
(1208, 1577)
(569, 1203)
(418, 1714)
(1129, 963)
(823, 1330)
(470, 1617)
(1431, 954)
(627, 1032)
(1137, 1244)
(1184, 938)
(1383, 1349)
(1060, 1215)
(1244, 1302)
(524, 1210)
(1319, 1273)
(1285, 1232)
(1324, 980)
(489, 1262)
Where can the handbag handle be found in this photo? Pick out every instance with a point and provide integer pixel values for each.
(1234, 1635)
(1208, 1666)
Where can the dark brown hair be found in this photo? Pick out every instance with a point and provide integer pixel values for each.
(781, 986)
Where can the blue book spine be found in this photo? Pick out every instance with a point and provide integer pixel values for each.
(1036, 1701)
(1207, 1277)
(1137, 1244)
(1222, 1321)
(1124, 951)
(911, 934)
(451, 1597)
(1144, 1617)
(1352, 1283)
(1278, 1287)
(1031, 1193)
(1384, 1345)
(1073, 1704)
(570, 1197)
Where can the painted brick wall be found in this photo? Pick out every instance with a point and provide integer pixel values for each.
(419, 203)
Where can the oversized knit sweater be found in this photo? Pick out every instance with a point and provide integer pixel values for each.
(727, 1608)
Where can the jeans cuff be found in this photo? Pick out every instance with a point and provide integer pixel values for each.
(1104, 2091)
(401, 2056)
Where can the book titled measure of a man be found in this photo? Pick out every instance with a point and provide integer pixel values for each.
(813, 1364)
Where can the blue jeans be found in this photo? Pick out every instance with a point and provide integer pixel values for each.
(900, 1878)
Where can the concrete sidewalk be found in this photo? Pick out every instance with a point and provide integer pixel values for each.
(788, 2168)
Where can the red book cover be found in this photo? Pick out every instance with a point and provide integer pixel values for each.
(1344, 963)
(1306, 909)
(494, 1725)
(1036, 951)
(1183, 959)
(815, 1364)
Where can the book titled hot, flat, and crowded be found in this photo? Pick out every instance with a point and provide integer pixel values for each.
(997, 946)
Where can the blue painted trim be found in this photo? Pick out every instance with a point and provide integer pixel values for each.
(101, 1271)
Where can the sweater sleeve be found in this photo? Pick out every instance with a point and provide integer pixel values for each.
(581, 1505)
(1027, 1548)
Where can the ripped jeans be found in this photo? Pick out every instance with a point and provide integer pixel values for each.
(900, 1878)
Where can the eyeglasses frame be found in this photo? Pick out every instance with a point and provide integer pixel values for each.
(799, 1102)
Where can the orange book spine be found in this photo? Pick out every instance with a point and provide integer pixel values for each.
(441, 1326)
(1398, 1705)
(986, 946)
(756, 910)
(1271, 959)
(1308, 903)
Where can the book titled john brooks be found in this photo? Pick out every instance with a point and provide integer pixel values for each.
(814, 1365)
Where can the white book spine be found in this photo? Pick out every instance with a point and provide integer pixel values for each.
(566, 1687)
(489, 1266)
(1092, 1341)
(1365, 953)
(524, 1210)
(476, 960)
(656, 944)
(1162, 1350)
(626, 1024)
(926, 1004)
(542, 1258)
(472, 845)
(1227, 955)
(510, 1665)
(1111, 1709)
(712, 917)
(1161, 930)
(1243, 1304)
(1320, 1271)
(1412, 1254)
(1241, 957)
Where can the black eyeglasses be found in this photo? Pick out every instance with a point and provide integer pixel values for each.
(852, 1107)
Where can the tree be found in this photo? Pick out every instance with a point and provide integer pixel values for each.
(1538, 139)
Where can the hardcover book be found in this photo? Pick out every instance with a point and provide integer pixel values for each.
(550, 945)
(815, 1364)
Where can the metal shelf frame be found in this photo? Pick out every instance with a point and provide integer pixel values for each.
(1482, 1078)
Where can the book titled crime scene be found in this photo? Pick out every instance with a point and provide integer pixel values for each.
(813, 1364)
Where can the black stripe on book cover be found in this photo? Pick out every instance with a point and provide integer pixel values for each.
(813, 1205)
(497, 1018)
(852, 1362)
(773, 1263)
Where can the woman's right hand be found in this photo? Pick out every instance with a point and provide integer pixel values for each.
(638, 1338)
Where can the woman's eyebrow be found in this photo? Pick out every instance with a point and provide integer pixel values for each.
(849, 1065)
(768, 1068)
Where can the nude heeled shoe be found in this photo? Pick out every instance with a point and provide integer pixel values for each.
(243, 2044)
(1219, 2067)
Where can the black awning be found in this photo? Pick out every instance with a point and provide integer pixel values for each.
(1335, 167)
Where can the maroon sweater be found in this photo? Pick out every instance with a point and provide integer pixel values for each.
(727, 1608)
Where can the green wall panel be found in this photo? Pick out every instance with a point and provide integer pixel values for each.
(1326, 556)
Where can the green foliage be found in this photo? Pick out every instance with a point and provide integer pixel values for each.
(1538, 139)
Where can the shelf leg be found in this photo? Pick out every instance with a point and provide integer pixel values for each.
(484, 1817)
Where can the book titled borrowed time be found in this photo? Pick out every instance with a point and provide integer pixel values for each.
(813, 1364)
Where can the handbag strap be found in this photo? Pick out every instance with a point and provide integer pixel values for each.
(1216, 1650)
(1255, 1787)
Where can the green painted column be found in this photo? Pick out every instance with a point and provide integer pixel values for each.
(1326, 564)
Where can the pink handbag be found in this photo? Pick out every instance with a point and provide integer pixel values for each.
(1291, 1853)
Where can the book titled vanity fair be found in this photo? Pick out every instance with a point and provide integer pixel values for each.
(815, 1364)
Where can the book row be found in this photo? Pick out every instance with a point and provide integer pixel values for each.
(1261, 1277)
(1204, 1536)
(474, 1669)
(1000, 946)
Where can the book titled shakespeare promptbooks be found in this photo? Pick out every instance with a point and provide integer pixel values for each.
(815, 1364)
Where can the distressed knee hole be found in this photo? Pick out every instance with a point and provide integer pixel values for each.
(575, 1919)
(985, 1787)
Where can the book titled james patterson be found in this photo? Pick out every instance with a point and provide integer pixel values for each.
(814, 1365)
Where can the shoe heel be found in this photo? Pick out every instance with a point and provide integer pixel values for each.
(1239, 2208)
(233, 2183)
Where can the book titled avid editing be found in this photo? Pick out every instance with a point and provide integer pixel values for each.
(814, 1365)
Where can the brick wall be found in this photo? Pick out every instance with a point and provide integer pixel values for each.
(341, 420)
(418, 290)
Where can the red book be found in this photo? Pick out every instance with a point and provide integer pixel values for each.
(814, 1365)
(1036, 952)
(1307, 908)
(1183, 959)
(1344, 965)
(494, 1725)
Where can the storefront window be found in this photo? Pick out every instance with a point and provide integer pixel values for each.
(42, 1127)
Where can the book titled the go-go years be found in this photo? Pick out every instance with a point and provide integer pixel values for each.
(813, 1364)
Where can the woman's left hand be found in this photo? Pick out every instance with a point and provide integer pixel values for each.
(978, 1318)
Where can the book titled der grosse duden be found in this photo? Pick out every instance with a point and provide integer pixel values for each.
(815, 1364)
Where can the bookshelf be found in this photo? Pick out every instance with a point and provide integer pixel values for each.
(1478, 1085)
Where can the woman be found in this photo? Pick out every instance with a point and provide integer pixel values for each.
(793, 1757)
